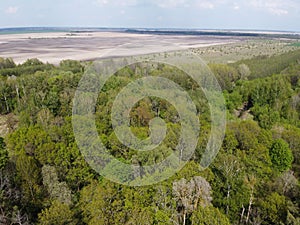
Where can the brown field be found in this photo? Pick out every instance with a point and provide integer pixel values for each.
(54, 47)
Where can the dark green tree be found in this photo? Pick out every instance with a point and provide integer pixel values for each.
(3, 154)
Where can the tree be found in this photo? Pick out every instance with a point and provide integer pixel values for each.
(142, 216)
(30, 179)
(190, 195)
(7, 63)
(266, 116)
(244, 71)
(287, 184)
(57, 190)
(292, 136)
(225, 74)
(230, 191)
(274, 209)
(102, 204)
(281, 155)
(250, 182)
(18, 217)
(71, 65)
(57, 214)
(3, 154)
(10, 206)
(209, 216)
(32, 62)
(230, 142)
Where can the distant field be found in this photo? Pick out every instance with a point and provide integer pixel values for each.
(246, 50)
(53, 47)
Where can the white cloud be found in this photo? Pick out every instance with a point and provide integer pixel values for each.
(236, 6)
(278, 12)
(205, 4)
(117, 2)
(171, 3)
(12, 10)
(275, 7)
(103, 2)
(166, 4)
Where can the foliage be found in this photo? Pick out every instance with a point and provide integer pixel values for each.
(44, 178)
(58, 213)
(3, 154)
(209, 216)
(263, 66)
(274, 209)
(281, 155)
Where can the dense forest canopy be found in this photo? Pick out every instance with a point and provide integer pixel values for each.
(44, 178)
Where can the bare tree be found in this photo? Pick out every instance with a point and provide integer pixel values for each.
(189, 195)
(230, 167)
(287, 182)
(19, 218)
(57, 190)
(244, 71)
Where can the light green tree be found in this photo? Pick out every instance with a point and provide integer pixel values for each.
(281, 155)
(209, 216)
(57, 214)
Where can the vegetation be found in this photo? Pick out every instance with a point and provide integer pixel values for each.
(44, 179)
(297, 44)
(247, 49)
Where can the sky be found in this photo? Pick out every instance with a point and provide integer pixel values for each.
(281, 15)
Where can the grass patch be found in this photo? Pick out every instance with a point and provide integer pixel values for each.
(296, 44)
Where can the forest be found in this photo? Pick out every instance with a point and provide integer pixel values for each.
(44, 179)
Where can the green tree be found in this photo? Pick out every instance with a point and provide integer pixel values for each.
(142, 216)
(292, 136)
(102, 204)
(57, 214)
(32, 62)
(71, 65)
(281, 155)
(266, 116)
(225, 74)
(3, 154)
(274, 209)
(7, 63)
(209, 216)
(30, 174)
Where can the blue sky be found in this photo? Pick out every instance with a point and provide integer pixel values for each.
(214, 14)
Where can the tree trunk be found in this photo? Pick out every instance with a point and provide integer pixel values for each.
(249, 208)
(242, 214)
(184, 217)
(228, 196)
(7, 107)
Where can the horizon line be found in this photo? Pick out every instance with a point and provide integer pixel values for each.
(148, 28)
